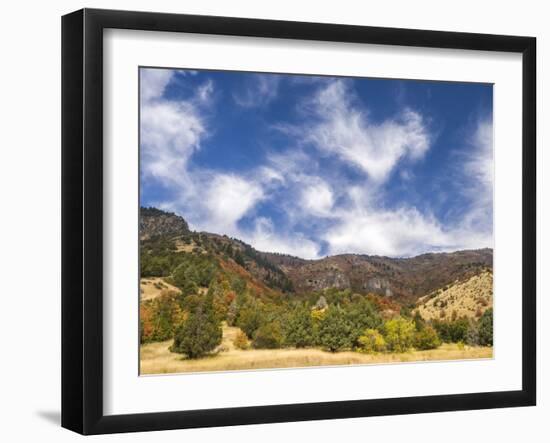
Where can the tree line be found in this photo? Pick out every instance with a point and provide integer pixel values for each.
(334, 320)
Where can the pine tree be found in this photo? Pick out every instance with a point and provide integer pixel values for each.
(250, 318)
(419, 322)
(200, 333)
(298, 328)
(485, 328)
(268, 336)
(239, 258)
(335, 330)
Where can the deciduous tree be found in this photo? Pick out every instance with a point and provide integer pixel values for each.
(399, 334)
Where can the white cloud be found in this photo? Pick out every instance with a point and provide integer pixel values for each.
(266, 238)
(317, 198)
(367, 227)
(170, 130)
(344, 130)
(268, 175)
(205, 91)
(170, 133)
(401, 232)
(229, 198)
(153, 82)
(321, 207)
(259, 90)
(478, 170)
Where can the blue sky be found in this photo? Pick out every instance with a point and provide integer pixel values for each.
(314, 166)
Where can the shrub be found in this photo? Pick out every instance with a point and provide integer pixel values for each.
(238, 285)
(472, 334)
(334, 330)
(268, 336)
(459, 329)
(241, 341)
(427, 338)
(232, 312)
(250, 318)
(405, 311)
(452, 331)
(372, 342)
(317, 316)
(200, 333)
(485, 328)
(419, 322)
(399, 334)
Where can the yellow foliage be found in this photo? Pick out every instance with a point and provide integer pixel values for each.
(372, 342)
(241, 341)
(318, 314)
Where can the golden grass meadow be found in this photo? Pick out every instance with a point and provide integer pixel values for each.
(156, 358)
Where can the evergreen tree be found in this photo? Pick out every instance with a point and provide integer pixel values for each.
(459, 330)
(419, 322)
(268, 336)
(250, 318)
(239, 258)
(361, 315)
(485, 327)
(298, 328)
(335, 330)
(200, 333)
(232, 312)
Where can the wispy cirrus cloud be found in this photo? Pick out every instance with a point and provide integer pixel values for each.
(358, 216)
(170, 130)
(478, 177)
(346, 131)
(265, 237)
(228, 198)
(153, 82)
(327, 210)
(258, 90)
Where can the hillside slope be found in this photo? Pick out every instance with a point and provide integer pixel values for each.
(405, 279)
(468, 298)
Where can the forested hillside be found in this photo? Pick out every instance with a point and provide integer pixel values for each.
(195, 285)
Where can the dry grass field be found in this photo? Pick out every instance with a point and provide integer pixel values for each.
(152, 287)
(467, 299)
(157, 359)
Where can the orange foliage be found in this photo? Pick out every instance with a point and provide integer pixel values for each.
(384, 304)
(256, 286)
(150, 310)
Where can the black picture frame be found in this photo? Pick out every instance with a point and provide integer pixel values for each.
(82, 215)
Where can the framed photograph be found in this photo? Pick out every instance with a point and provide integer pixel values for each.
(269, 221)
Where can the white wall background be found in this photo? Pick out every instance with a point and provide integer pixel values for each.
(30, 218)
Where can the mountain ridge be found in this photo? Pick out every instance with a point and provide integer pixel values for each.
(406, 278)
